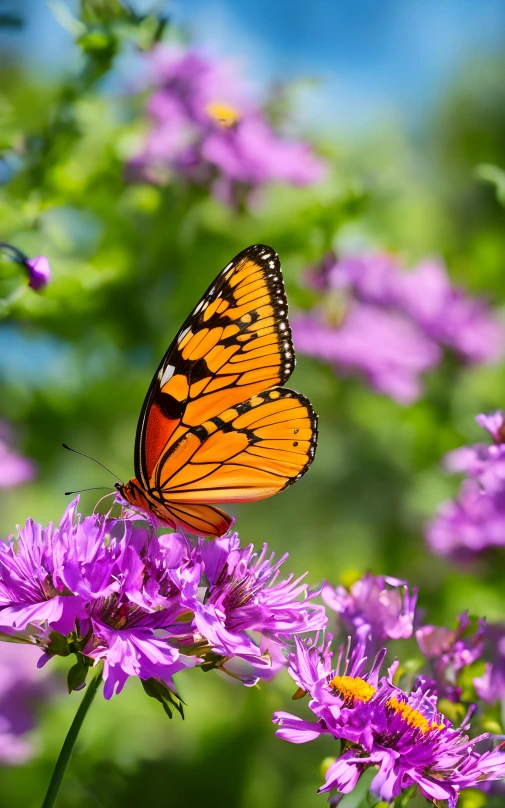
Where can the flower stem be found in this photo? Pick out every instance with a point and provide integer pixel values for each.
(69, 742)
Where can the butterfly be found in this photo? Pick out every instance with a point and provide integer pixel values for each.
(217, 426)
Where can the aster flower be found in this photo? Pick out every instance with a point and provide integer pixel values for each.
(384, 347)
(447, 315)
(87, 581)
(450, 651)
(110, 589)
(425, 295)
(475, 520)
(244, 599)
(204, 128)
(375, 608)
(391, 326)
(14, 468)
(401, 735)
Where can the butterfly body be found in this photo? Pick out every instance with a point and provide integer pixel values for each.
(217, 425)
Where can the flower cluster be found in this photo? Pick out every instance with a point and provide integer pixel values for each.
(14, 468)
(390, 325)
(201, 127)
(111, 589)
(451, 651)
(475, 520)
(401, 735)
(375, 609)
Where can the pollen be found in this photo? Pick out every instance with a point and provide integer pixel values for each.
(352, 688)
(223, 114)
(413, 718)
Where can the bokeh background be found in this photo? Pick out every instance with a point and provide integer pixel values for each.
(405, 105)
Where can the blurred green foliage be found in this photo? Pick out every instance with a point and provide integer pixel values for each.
(129, 262)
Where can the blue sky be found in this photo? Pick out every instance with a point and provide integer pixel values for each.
(374, 59)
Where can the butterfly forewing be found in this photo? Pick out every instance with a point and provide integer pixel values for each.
(235, 343)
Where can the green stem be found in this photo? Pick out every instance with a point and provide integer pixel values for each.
(69, 743)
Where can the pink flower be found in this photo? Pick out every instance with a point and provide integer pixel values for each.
(39, 272)
(390, 325)
(476, 518)
(14, 469)
(205, 129)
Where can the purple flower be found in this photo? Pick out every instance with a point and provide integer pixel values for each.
(87, 580)
(383, 346)
(39, 272)
(450, 317)
(14, 469)
(340, 698)
(494, 423)
(20, 690)
(204, 128)
(244, 598)
(390, 325)
(251, 154)
(451, 651)
(374, 609)
(475, 520)
(111, 590)
(490, 686)
(401, 735)
(369, 278)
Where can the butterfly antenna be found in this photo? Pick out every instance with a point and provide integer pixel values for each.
(93, 459)
(98, 488)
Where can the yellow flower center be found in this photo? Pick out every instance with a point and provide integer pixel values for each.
(414, 718)
(223, 114)
(352, 688)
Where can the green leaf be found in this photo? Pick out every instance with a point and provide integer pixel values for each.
(58, 644)
(76, 677)
(405, 798)
(102, 11)
(97, 41)
(159, 691)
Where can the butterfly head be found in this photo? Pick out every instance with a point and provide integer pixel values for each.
(132, 493)
(136, 496)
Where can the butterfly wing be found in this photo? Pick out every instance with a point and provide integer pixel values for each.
(234, 346)
(251, 451)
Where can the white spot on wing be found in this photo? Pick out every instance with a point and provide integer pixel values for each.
(183, 334)
(167, 375)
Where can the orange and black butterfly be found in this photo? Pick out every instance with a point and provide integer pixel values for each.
(216, 425)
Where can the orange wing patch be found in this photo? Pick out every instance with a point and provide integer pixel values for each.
(260, 447)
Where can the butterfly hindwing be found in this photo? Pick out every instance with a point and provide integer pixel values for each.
(250, 451)
(236, 343)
